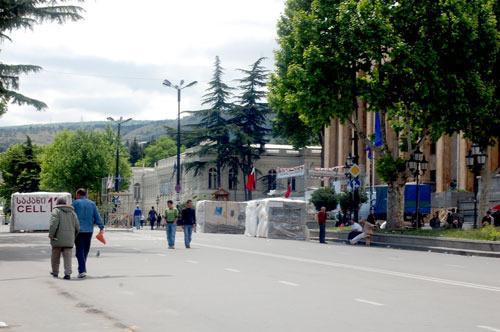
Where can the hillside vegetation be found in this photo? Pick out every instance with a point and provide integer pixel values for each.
(43, 134)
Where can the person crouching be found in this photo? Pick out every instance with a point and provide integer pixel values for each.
(64, 227)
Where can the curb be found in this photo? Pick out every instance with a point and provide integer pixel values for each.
(420, 243)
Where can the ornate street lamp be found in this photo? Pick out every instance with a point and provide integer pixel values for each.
(417, 165)
(475, 161)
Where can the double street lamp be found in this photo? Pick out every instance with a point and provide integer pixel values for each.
(117, 175)
(417, 165)
(178, 88)
(475, 161)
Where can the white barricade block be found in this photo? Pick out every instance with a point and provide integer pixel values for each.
(31, 211)
(220, 217)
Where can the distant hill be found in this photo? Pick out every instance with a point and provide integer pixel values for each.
(43, 134)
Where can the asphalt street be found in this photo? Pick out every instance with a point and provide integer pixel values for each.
(238, 283)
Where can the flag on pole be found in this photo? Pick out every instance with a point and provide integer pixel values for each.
(378, 132)
(288, 191)
(251, 180)
(109, 183)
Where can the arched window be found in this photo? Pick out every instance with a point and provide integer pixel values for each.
(233, 179)
(291, 183)
(271, 180)
(212, 178)
(137, 191)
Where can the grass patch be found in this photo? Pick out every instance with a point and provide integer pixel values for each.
(489, 233)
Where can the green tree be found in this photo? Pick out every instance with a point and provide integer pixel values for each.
(136, 152)
(326, 197)
(395, 56)
(20, 167)
(346, 201)
(249, 120)
(26, 14)
(212, 129)
(162, 148)
(81, 159)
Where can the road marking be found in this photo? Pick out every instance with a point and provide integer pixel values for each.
(192, 262)
(289, 283)
(488, 328)
(161, 255)
(395, 258)
(360, 268)
(231, 270)
(459, 266)
(369, 302)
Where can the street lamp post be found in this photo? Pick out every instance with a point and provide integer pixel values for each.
(417, 164)
(119, 123)
(157, 202)
(475, 161)
(348, 164)
(178, 88)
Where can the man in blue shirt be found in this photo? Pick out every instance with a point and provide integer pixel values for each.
(137, 217)
(87, 213)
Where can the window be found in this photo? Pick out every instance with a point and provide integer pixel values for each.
(271, 180)
(212, 178)
(233, 179)
(291, 183)
(433, 176)
(137, 191)
(433, 148)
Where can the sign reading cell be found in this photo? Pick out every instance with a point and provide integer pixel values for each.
(31, 211)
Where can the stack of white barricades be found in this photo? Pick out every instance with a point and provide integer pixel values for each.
(220, 217)
(31, 211)
(277, 218)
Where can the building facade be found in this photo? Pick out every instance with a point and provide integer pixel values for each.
(154, 186)
(447, 165)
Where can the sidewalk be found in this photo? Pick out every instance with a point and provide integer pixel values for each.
(422, 243)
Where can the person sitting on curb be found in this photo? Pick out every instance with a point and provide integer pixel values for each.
(356, 230)
(435, 222)
(64, 228)
(487, 219)
(367, 230)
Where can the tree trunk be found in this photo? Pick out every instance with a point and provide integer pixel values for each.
(396, 203)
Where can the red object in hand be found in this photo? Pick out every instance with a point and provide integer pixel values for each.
(100, 237)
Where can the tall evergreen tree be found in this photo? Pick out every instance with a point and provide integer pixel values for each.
(20, 167)
(249, 118)
(213, 128)
(15, 14)
(136, 152)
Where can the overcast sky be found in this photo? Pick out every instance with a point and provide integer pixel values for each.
(114, 61)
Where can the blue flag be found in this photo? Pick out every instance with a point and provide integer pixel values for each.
(378, 133)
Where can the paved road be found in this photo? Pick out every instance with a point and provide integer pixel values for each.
(236, 283)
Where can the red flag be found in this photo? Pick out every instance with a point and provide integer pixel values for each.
(288, 191)
(251, 180)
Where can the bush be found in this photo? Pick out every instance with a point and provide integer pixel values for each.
(345, 199)
(326, 197)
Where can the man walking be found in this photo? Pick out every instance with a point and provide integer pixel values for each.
(171, 216)
(322, 225)
(152, 217)
(87, 213)
(64, 228)
(188, 217)
(137, 217)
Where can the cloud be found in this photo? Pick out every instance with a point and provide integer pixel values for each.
(113, 62)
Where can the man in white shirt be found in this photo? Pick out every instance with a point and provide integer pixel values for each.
(356, 230)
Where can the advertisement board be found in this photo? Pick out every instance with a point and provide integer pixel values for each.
(31, 211)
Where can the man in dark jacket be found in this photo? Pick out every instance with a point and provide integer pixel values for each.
(152, 217)
(188, 217)
(64, 228)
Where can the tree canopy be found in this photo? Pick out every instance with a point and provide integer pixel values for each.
(20, 168)
(161, 148)
(406, 60)
(26, 14)
(81, 159)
